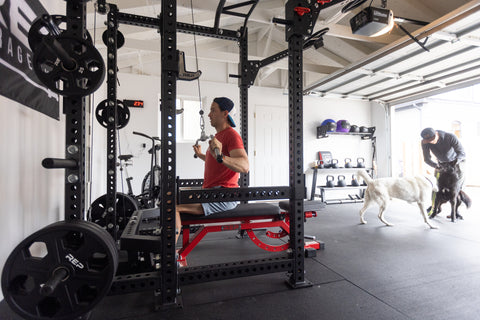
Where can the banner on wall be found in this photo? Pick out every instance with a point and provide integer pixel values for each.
(17, 78)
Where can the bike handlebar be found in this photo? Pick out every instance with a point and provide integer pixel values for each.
(143, 135)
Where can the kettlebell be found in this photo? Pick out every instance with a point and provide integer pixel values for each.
(348, 163)
(354, 181)
(341, 181)
(360, 163)
(334, 164)
(330, 181)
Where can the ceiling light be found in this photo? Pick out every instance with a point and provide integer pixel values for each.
(372, 22)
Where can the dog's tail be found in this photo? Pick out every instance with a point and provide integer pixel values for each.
(365, 176)
(465, 198)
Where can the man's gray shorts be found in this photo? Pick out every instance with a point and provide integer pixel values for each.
(215, 207)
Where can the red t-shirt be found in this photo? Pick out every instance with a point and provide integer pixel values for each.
(217, 174)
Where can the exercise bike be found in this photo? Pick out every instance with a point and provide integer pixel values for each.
(126, 204)
(150, 192)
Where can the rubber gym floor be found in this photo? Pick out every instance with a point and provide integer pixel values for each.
(370, 271)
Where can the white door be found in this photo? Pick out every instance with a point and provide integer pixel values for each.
(271, 146)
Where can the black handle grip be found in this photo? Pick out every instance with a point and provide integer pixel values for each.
(218, 154)
(53, 163)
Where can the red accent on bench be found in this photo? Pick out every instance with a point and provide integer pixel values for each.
(222, 222)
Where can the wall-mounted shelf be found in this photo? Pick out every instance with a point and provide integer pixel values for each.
(323, 133)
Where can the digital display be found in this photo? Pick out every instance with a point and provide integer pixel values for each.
(133, 103)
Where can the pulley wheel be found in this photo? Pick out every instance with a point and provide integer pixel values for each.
(61, 271)
(120, 39)
(123, 114)
(81, 78)
(38, 30)
(124, 204)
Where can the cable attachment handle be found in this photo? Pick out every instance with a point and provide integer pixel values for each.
(219, 155)
(203, 137)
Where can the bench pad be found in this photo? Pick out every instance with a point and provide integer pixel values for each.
(308, 205)
(242, 210)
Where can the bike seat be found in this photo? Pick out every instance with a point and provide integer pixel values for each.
(125, 157)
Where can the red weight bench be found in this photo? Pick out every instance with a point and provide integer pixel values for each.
(245, 217)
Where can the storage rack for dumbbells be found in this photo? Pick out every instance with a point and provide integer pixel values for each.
(168, 278)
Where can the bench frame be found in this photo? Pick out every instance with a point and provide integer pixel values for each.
(247, 223)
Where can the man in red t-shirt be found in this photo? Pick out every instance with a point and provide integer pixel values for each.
(218, 175)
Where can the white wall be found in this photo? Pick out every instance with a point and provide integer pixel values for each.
(316, 110)
(31, 197)
(381, 121)
(144, 120)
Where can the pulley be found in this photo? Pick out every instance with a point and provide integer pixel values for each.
(120, 39)
(122, 115)
(60, 272)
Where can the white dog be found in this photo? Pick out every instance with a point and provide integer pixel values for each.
(414, 189)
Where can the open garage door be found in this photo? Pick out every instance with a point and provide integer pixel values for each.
(457, 112)
(405, 71)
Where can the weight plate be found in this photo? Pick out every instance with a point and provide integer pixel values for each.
(38, 30)
(125, 206)
(120, 39)
(85, 253)
(123, 114)
(82, 78)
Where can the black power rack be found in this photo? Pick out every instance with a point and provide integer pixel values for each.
(300, 18)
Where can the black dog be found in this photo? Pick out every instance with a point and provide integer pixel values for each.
(450, 183)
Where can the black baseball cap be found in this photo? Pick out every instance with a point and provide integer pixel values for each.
(428, 134)
(225, 104)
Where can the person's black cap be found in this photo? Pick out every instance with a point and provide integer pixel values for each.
(428, 134)
(225, 104)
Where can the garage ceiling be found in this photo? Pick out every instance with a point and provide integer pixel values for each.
(389, 69)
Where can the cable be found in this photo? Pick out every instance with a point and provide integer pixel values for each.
(91, 120)
(202, 120)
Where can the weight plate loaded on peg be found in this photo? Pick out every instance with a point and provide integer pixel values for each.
(61, 271)
(123, 113)
(66, 65)
(125, 206)
(40, 29)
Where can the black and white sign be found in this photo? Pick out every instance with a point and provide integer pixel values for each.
(17, 78)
